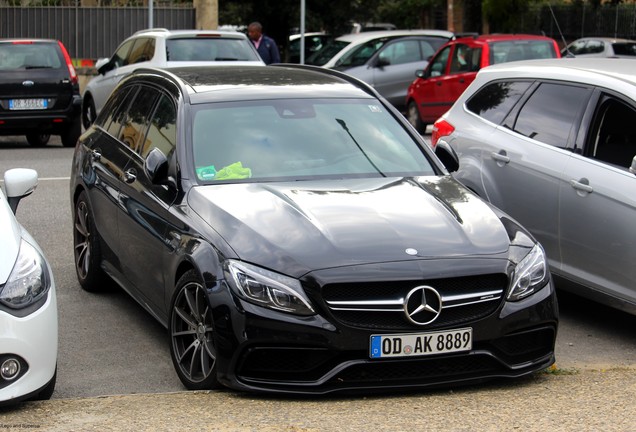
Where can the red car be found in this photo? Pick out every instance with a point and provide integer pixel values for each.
(455, 66)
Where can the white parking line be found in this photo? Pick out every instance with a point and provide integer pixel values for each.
(54, 178)
(47, 179)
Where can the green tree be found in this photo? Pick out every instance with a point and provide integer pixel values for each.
(503, 15)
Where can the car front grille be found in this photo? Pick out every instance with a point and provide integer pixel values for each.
(380, 305)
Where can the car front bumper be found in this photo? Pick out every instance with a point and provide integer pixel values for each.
(262, 350)
(33, 340)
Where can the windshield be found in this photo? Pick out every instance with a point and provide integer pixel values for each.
(361, 54)
(325, 54)
(209, 49)
(300, 139)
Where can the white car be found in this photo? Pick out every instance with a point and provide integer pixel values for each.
(28, 305)
(387, 60)
(601, 47)
(164, 48)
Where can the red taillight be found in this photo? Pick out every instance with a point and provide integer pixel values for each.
(441, 128)
(69, 63)
(22, 42)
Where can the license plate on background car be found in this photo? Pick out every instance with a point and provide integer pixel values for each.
(420, 344)
(27, 104)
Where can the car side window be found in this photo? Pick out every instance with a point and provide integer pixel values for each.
(400, 52)
(612, 141)
(360, 55)
(594, 47)
(438, 64)
(114, 112)
(577, 47)
(143, 50)
(550, 113)
(120, 58)
(136, 121)
(162, 130)
(495, 101)
(465, 59)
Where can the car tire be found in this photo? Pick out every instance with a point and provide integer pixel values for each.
(72, 134)
(192, 345)
(47, 390)
(413, 116)
(88, 112)
(38, 139)
(86, 247)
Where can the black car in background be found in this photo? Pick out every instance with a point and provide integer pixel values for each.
(294, 234)
(39, 91)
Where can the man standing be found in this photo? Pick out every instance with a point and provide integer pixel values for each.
(265, 46)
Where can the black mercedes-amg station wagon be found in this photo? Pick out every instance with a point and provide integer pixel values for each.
(295, 234)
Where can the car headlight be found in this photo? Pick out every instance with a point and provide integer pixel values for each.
(530, 275)
(268, 289)
(29, 280)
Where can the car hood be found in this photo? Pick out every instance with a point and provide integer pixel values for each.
(9, 239)
(298, 227)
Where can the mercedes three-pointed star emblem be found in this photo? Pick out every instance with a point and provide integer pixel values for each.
(422, 305)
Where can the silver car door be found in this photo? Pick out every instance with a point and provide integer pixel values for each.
(598, 205)
(526, 157)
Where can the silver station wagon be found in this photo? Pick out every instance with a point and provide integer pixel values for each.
(552, 143)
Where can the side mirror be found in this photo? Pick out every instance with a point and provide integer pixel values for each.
(632, 169)
(19, 183)
(104, 65)
(382, 62)
(419, 73)
(156, 166)
(447, 156)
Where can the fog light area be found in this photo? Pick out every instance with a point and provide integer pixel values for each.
(10, 369)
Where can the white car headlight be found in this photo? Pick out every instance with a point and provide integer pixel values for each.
(530, 275)
(29, 280)
(268, 289)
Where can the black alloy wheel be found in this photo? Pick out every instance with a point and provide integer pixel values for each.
(72, 134)
(413, 116)
(192, 335)
(38, 139)
(88, 112)
(86, 247)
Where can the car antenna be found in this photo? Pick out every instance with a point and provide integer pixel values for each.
(567, 50)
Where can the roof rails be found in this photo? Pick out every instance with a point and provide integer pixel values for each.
(150, 30)
(465, 34)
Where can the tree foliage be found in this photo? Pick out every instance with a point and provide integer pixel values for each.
(503, 15)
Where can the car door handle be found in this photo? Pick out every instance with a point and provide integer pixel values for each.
(500, 157)
(582, 185)
(130, 175)
(438, 83)
(96, 154)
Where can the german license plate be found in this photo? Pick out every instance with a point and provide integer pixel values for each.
(421, 344)
(27, 104)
